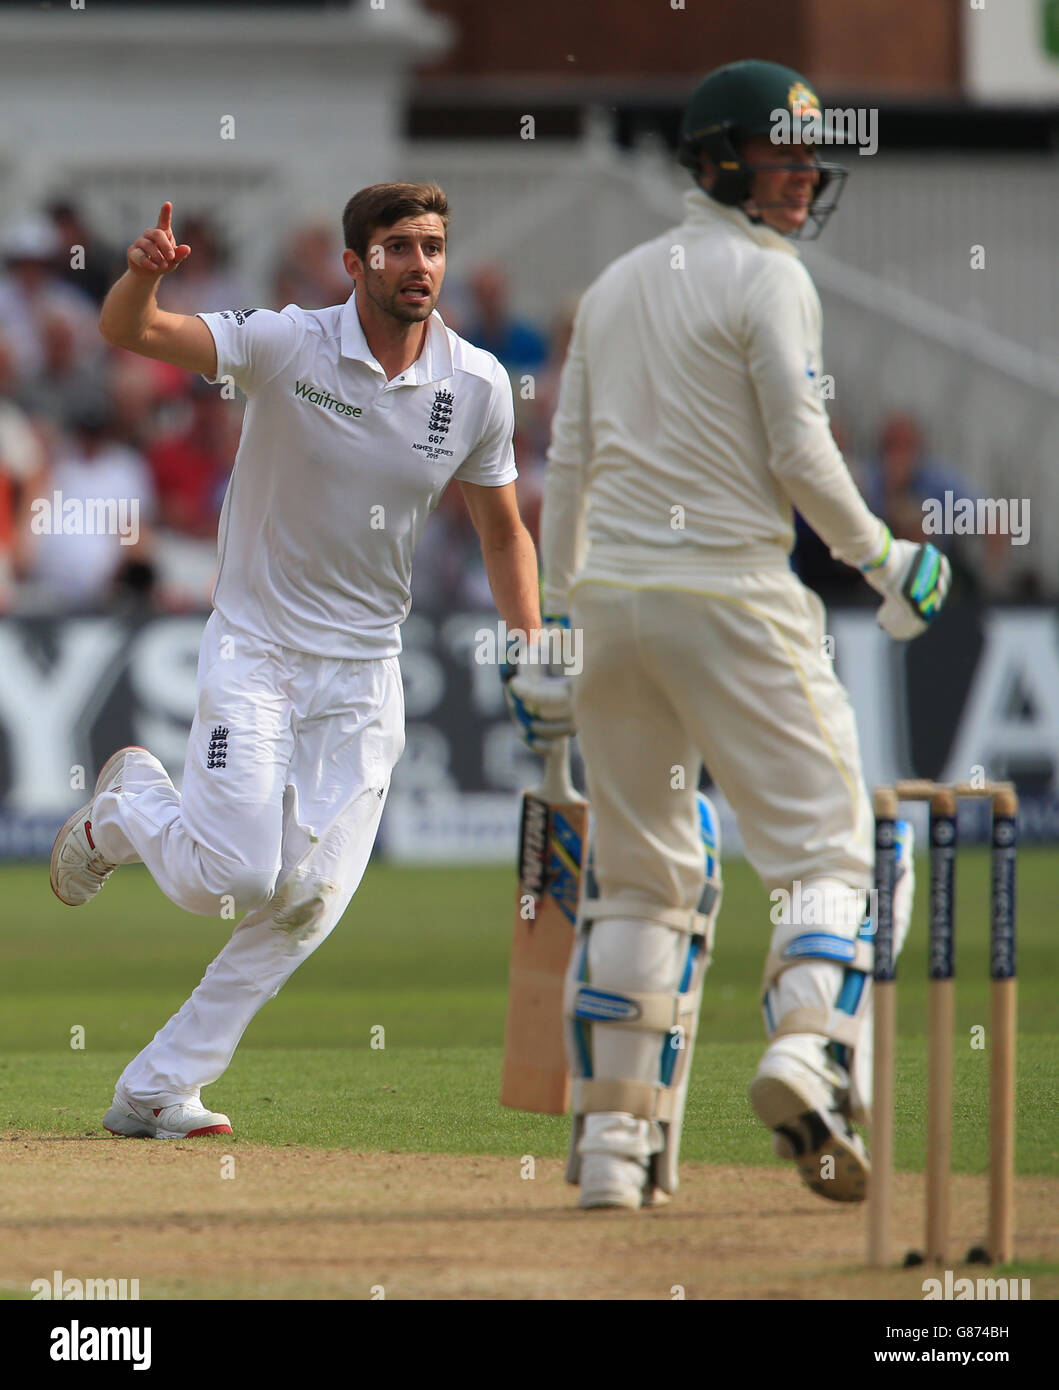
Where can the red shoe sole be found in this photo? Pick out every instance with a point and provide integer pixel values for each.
(192, 1134)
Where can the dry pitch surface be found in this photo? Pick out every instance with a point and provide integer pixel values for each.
(309, 1223)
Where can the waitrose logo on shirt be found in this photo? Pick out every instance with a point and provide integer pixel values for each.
(324, 399)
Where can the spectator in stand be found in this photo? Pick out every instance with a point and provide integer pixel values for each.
(146, 398)
(23, 476)
(491, 325)
(66, 375)
(31, 294)
(546, 384)
(901, 477)
(205, 284)
(101, 262)
(309, 272)
(75, 562)
(190, 469)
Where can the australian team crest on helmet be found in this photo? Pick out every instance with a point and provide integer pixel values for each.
(802, 100)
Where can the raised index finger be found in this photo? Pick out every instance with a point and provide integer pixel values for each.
(165, 216)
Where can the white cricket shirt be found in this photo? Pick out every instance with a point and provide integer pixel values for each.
(690, 415)
(338, 469)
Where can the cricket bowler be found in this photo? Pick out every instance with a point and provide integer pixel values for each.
(689, 425)
(357, 418)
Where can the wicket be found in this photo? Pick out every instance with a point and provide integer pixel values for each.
(941, 971)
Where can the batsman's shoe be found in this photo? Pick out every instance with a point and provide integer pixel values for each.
(607, 1180)
(808, 1129)
(129, 1119)
(78, 869)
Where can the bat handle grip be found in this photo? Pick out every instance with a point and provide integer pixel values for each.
(557, 785)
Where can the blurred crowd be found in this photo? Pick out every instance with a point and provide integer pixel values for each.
(112, 467)
(82, 421)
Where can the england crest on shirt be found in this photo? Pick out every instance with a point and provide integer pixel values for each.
(438, 426)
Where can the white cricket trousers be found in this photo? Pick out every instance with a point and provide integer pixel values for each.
(735, 674)
(287, 771)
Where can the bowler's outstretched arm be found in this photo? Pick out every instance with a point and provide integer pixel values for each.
(130, 317)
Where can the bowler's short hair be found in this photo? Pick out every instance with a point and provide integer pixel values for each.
(383, 204)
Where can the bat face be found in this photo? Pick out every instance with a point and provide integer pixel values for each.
(552, 843)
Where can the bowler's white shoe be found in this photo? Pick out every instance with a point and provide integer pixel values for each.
(130, 1119)
(78, 870)
(810, 1127)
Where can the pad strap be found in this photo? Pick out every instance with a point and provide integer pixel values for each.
(646, 1012)
(831, 1023)
(818, 945)
(646, 1101)
(679, 918)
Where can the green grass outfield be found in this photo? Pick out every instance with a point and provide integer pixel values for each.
(423, 952)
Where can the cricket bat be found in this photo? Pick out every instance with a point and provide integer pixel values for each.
(552, 842)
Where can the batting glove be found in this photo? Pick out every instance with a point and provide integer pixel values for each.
(539, 695)
(913, 580)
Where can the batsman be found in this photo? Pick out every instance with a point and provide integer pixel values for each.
(689, 426)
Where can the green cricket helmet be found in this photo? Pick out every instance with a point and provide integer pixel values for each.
(749, 98)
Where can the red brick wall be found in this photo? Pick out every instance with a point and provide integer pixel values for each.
(898, 45)
(625, 38)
